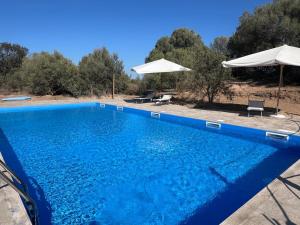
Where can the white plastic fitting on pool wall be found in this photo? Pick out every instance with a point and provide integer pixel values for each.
(102, 105)
(212, 124)
(279, 136)
(119, 108)
(155, 115)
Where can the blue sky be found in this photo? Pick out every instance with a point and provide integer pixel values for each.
(129, 28)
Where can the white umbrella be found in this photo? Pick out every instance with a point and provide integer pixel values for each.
(280, 56)
(159, 66)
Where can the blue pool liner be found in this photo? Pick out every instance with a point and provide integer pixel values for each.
(253, 134)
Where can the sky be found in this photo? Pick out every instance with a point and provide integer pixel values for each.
(129, 28)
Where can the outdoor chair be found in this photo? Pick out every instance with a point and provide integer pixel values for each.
(255, 105)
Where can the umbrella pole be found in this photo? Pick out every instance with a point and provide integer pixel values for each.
(113, 86)
(160, 84)
(279, 87)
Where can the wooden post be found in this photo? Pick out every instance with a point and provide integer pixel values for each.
(161, 83)
(113, 86)
(279, 87)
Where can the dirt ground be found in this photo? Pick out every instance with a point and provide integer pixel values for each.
(289, 98)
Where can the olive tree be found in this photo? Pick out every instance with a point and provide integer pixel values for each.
(47, 74)
(210, 77)
(97, 70)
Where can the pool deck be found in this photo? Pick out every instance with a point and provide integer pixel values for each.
(12, 211)
(278, 203)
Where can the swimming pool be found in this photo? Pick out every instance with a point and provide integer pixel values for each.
(96, 164)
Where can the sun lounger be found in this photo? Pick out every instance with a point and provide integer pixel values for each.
(255, 105)
(148, 97)
(164, 99)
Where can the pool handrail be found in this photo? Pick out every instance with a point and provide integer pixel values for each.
(14, 176)
(32, 209)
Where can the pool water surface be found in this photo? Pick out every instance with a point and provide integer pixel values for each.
(93, 165)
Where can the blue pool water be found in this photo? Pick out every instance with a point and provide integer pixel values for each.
(89, 165)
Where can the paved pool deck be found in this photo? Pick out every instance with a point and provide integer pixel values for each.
(12, 210)
(278, 203)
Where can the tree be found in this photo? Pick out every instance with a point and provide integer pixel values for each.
(185, 38)
(97, 70)
(164, 45)
(219, 45)
(180, 48)
(269, 26)
(47, 74)
(11, 56)
(211, 78)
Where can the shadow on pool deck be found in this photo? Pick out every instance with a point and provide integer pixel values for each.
(239, 192)
(35, 191)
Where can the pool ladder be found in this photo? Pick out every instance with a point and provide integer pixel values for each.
(30, 204)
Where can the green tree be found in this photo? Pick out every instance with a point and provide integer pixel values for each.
(185, 38)
(97, 69)
(47, 74)
(210, 77)
(180, 48)
(11, 56)
(269, 26)
(220, 45)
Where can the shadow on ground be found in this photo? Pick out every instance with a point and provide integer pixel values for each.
(232, 108)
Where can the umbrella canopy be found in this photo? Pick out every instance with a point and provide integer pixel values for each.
(284, 55)
(159, 66)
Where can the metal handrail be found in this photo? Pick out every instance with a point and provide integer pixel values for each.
(32, 209)
(15, 177)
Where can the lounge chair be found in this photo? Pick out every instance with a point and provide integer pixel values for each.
(148, 97)
(163, 99)
(255, 105)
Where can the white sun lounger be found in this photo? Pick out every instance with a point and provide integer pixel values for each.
(164, 99)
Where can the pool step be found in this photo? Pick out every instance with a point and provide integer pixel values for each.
(155, 115)
(278, 136)
(212, 124)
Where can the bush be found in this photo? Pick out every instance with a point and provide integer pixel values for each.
(47, 74)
